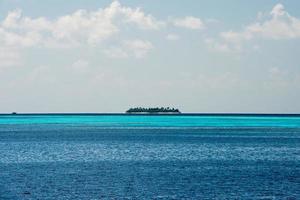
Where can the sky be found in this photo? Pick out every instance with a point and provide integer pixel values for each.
(107, 56)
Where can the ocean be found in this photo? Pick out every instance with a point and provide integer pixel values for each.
(149, 157)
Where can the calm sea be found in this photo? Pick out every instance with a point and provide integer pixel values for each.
(149, 157)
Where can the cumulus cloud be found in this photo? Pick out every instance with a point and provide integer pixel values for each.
(80, 27)
(96, 28)
(278, 24)
(189, 22)
(281, 26)
(278, 10)
(138, 17)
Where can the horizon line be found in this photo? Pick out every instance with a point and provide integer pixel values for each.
(123, 113)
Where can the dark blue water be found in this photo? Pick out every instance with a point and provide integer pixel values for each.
(149, 157)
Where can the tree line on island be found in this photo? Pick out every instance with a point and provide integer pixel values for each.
(153, 110)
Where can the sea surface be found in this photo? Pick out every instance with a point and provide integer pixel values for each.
(149, 157)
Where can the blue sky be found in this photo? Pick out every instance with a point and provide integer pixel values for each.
(106, 56)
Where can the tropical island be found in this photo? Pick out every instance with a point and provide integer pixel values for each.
(162, 110)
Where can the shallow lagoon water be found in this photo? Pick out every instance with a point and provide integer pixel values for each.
(149, 157)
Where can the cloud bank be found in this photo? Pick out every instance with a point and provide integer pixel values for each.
(278, 24)
(79, 27)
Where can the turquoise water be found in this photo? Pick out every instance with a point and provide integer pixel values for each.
(155, 121)
(149, 157)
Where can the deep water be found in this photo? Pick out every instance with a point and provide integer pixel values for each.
(149, 157)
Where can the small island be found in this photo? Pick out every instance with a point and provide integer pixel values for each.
(162, 110)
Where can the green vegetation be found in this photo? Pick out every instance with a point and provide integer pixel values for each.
(152, 110)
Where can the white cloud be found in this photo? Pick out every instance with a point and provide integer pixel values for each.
(80, 27)
(130, 48)
(172, 37)
(15, 20)
(138, 17)
(9, 38)
(277, 25)
(280, 25)
(278, 10)
(84, 27)
(189, 22)
(139, 48)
